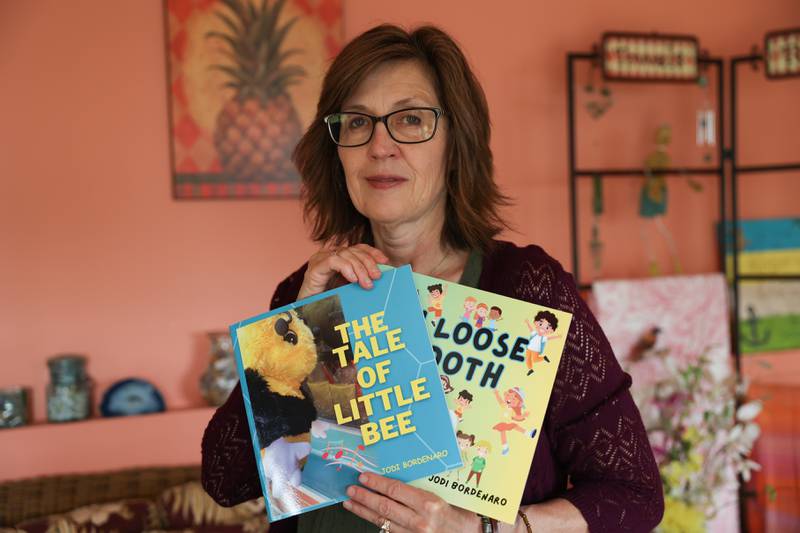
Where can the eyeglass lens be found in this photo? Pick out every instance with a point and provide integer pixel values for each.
(405, 126)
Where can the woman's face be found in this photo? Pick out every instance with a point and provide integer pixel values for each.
(390, 182)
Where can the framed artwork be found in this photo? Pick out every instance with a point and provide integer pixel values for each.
(649, 57)
(687, 315)
(655, 322)
(782, 53)
(244, 79)
(769, 311)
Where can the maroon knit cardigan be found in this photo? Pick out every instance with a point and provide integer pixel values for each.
(593, 450)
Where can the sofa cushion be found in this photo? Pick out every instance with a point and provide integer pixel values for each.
(122, 516)
(188, 506)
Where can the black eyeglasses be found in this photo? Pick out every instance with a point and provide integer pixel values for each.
(282, 329)
(408, 126)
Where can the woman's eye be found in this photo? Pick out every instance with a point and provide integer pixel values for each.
(358, 122)
(410, 120)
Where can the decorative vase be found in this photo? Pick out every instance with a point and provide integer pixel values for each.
(221, 376)
(13, 407)
(69, 390)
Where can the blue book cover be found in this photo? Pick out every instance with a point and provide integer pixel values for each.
(341, 383)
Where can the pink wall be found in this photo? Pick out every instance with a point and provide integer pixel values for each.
(98, 259)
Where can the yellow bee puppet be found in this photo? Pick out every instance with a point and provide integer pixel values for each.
(278, 354)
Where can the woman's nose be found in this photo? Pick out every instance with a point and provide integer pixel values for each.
(381, 145)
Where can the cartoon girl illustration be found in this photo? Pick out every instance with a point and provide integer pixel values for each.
(480, 315)
(514, 413)
(465, 442)
(469, 306)
(445, 384)
(463, 401)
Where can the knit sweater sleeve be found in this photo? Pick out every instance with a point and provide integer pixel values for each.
(597, 432)
(229, 471)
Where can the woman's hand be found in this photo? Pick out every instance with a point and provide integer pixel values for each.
(355, 263)
(407, 508)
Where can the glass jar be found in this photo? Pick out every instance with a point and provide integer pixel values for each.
(13, 407)
(69, 390)
(221, 376)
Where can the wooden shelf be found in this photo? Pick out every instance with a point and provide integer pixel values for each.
(99, 444)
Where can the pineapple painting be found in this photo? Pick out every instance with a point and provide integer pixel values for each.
(244, 79)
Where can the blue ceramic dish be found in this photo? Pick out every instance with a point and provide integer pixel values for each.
(131, 397)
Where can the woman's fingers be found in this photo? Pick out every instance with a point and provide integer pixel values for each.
(377, 255)
(356, 264)
(359, 262)
(412, 508)
(372, 516)
(343, 265)
(376, 508)
(407, 495)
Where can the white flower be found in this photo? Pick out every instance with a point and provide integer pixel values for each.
(749, 411)
(735, 434)
(702, 440)
(751, 432)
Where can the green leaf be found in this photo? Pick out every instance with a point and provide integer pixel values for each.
(288, 53)
(252, 11)
(772, 493)
(254, 33)
(280, 35)
(273, 16)
(238, 9)
(281, 76)
(232, 43)
(234, 73)
(245, 64)
(235, 28)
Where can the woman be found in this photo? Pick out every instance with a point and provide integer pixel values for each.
(397, 169)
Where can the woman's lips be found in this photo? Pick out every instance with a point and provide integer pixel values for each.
(385, 182)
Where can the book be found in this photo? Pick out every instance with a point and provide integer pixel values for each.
(497, 358)
(341, 383)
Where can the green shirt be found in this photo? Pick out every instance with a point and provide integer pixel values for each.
(478, 464)
(335, 518)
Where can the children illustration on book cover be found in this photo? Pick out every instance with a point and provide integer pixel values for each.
(499, 357)
(542, 330)
(513, 406)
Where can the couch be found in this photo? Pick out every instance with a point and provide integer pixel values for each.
(141, 499)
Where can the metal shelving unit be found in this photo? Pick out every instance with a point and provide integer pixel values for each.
(576, 173)
(738, 170)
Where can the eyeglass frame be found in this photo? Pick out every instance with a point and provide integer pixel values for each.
(438, 112)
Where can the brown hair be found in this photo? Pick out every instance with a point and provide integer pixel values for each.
(466, 436)
(472, 216)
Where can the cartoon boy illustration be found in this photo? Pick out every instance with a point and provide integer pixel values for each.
(514, 414)
(463, 401)
(480, 315)
(494, 316)
(435, 299)
(544, 324)
(482, 449)
(469, 307)
(465, 442)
